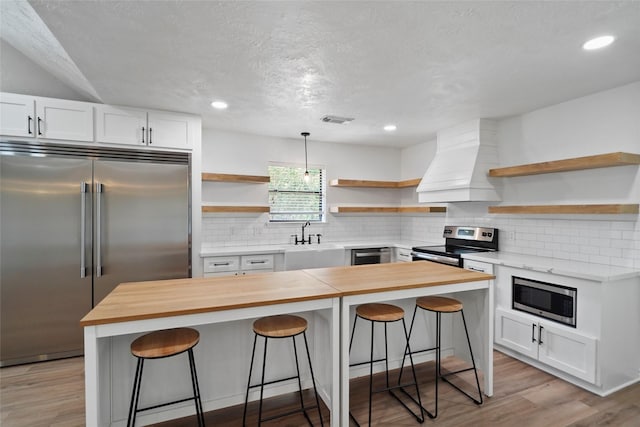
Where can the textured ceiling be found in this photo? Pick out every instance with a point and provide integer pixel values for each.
(281, 66)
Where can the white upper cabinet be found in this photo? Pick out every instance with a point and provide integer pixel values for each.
(46, 118)
(17, 116)
(121, 125)
(131, 126)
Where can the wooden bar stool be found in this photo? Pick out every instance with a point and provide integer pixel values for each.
(158, 345)
(280, 326)
(441, 305)
(384, 313)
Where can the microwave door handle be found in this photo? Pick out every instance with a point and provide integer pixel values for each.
(533, 332)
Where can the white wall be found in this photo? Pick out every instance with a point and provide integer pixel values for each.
(19, 74)
(235, 153)
(604, 122)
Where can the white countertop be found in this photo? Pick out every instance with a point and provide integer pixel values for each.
(562, 267)
(214, 250)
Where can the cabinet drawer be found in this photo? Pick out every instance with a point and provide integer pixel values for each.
(403, 255)
(483, 267)
(257, 262)
(221, 263)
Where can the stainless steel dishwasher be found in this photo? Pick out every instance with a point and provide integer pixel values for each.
(370, 256)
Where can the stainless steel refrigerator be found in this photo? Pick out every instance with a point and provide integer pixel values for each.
(74, 223)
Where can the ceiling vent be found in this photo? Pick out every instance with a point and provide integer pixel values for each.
(337, 119)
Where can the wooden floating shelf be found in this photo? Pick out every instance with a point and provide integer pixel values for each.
(224, 177)
(388, 209)
(241, 209)
(374, 184)
(566, 209)
(573, 164)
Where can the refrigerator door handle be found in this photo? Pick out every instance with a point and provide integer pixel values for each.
(99, 191)
(83, 222)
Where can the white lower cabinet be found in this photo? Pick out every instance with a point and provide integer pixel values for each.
(238, 265)
(402, 255)
(557, 346)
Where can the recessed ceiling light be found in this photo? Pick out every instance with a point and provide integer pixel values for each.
(598, 42)
(219, 105)
(390, 128)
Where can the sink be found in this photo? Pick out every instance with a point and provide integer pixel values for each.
(297, 257)
(313, 247)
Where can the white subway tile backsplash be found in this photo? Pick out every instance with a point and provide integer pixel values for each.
(597, 241)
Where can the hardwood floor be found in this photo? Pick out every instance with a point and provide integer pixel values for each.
(52, 394)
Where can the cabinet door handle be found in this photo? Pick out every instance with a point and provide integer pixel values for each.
(533, 333)
(475, 269)
(150, 141)
(540, 328)
(83, 215)
(257, 262)
(29, 120)
(39, 128)
(99, 192)
(143, 134)
(219, 264)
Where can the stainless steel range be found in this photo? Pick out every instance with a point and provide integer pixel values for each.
(459, 240)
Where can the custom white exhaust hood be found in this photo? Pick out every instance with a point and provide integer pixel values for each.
(458, 172)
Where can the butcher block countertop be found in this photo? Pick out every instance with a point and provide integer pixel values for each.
(364, 279)
(166, 298)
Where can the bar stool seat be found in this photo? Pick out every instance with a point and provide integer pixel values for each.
(276, 327)
(384, 313)
(280, 326)
(165, 343)
(440, 305)
(377, 312)
(158, 345)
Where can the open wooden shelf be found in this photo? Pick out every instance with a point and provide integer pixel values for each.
(566, 209)
(224, 177)
(388, 209)
(374, 184)
(238, 209)
(573, 164)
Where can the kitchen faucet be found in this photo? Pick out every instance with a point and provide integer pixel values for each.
(306, 224)
(302, 240)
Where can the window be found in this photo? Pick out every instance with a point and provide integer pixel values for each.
(292, 199)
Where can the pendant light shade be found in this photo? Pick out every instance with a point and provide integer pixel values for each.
(306, 177)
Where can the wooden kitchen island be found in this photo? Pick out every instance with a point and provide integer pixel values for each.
(223, 308)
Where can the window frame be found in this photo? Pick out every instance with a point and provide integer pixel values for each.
(323, 194)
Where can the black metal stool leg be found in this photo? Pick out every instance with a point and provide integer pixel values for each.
(196, 389)
(135, 393)
(246, 397)
(371, 374)
(295, 355)
(438, 358)
(413, 318)
(264, 364)
(413, 371)
(315, 391)
(475, 370)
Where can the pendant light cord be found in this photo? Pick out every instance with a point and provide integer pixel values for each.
(306, 163)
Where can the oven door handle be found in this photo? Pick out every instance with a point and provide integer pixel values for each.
(366, 254)
(435, 258)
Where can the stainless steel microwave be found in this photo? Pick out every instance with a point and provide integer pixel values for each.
(547, 300)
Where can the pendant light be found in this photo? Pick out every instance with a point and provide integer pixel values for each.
(306, 177)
